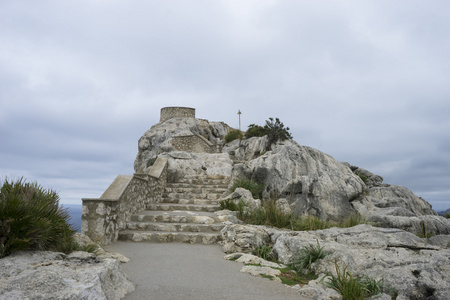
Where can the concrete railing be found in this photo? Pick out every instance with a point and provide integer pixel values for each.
(104, 217)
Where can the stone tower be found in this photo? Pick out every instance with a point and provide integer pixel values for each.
(176, 112)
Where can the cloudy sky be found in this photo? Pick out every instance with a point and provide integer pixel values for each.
(367, 82)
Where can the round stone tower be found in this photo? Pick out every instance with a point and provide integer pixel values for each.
(176, 112)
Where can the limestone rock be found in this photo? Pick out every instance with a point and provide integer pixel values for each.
(182, 164)
(397, 207)
(247, 149)
(262, 271)
(243, 238)
(313, 182)
(227, 216)
(244, 196)
(416, 268)
(283, 205)
(158, 139)
(51, 275)
(246, 258)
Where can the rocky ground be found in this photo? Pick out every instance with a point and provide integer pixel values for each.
(410, 267)
(54, 275)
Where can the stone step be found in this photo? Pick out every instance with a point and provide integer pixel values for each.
(167, 237)
(183, 207)
(175, 217)
(190, 201)
(211, 196)
(205, 180)
(175, 227)
(196, 186)
(195, 190)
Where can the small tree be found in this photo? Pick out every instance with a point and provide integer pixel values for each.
(276, 131)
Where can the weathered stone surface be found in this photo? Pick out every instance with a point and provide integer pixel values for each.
(183, 164)
(244, 196)
(416, 268)
(397, 207)
(246, 258)
(158, 139)
(312, 181)
(283, 205)
(247, 149)
(262, 271)
(227, 216)
(51, 275)
(243, 238)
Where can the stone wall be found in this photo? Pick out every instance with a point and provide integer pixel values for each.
(176, 112)
(195, 144)
(104, 217)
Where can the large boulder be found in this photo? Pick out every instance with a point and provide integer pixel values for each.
(313, 182)
(52, 275)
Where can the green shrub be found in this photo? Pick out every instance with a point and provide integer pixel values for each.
(447, 216)
(233, 134)
(32, 219)
(308, 256)
(276, 131)
(353, 287)
(255, 188)
(363, 177)
(255, 130)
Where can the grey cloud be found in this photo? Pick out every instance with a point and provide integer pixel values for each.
(80, 82)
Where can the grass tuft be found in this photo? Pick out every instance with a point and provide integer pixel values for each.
(265, 252)
(308, 256)
(353, 287)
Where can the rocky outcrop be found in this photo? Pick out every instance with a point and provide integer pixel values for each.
(181, 164)
(158, 139)
(411, 267)
(313, 182)
(394, 206)
(52, 275)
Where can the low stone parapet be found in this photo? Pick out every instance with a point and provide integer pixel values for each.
(102, 218)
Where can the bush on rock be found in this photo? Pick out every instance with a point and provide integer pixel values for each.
(32, 219)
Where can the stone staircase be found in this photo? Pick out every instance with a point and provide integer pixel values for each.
(184, 214)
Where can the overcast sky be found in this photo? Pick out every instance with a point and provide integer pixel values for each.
(367, 82)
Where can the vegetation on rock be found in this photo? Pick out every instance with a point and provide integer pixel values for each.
(354, 287)
(255, 188)
(271, 215)
(274, 129)
(32, 219)
(308, 256)
(233, 134)
(255, 131)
